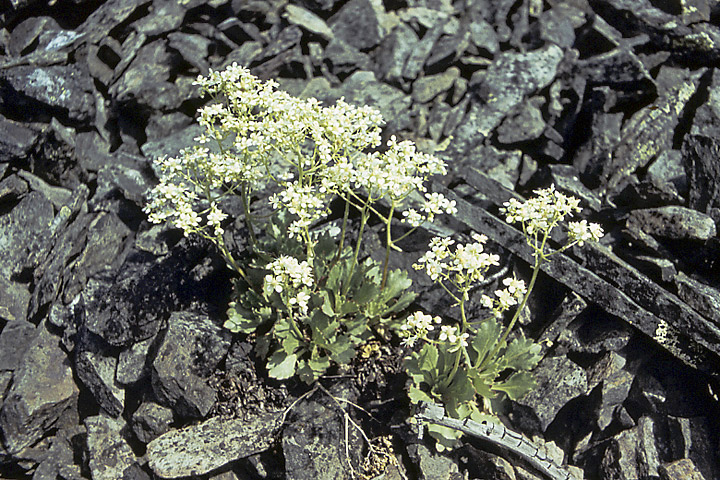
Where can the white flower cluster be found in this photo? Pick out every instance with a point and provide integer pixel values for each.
(469, 262)
(450, 335)
(505, 298)
(289, 275)
(303, 201)
(435, 203)
(550, 207)
(541, 213)
(416, 327)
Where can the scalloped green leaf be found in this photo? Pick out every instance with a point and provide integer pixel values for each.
(516, 385)
(281, 365)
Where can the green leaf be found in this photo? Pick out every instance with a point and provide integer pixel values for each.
(516, 385)
(486, 339)
(482, 385)
(445, 436)
(367, 292)
(522, 354)
(416, 395)
(428, 359)
(281, 365)
(341, 350)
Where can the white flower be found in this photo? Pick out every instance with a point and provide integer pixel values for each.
(515, 287)
(583, 231)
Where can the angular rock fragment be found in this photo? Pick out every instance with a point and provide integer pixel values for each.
(522, 124)
(420, 52)
(427, 88)
(673, 222)
(558, 381)
(394, 51)
(150, 421)
(510, 77)
(191, 348)
(43, 390)
(308, 20)
(15, 338)
(212, 444)
(58, 89)
(108, 451)
(357, 24)
(434, 465)
(27, 32)
(703, 298)
(95, 364)
(683, 469)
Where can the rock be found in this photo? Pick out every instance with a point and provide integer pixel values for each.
(344, 59)
(43, 391)
(673, 222)
(16, 139)
(503, 166)
(308, 20)
(683, 469)
(566, 178)
(132, 363)
(508, 79)
(15, 339)
(315, 445)
(58, 89)
(166, 16)
(95, 364)
(108, 451)
(22, 231)
(188, 353)
(558, 24)
(432, 465)
(427, 88)
(478, 463)
(524, 123)
(394, 51)
(362, 88)
(150, 421)
(357, 24)
(146, 79)
(558, 381)
(483, 36)
(57, 195)
(212, 444)
(193, 48)
(421, 52)
(616, 381)
(703, 298)
(59, 460)
(667, 169)
(14, 300)
(24, 34)
(690, 438)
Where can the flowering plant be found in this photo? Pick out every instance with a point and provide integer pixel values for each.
(306, 295)
(477, 359)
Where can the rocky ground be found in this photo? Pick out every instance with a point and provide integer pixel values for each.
(114, 362)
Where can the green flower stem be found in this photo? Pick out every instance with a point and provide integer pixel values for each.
(388, 244)
(539, 259)
(344, 229)
(248, 218)
(363, 220)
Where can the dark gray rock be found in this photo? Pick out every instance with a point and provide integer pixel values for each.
(27, 32)
(523, 123)
(12, 188)
(57, 195)
(362, 88)
(14, 300)
(57, 89)
(691, 438)
(674, 222)
(16, 140)
(558, 381)
(146, 79)
(107, 16)
(427, 88)
(95, 364)
(22, 231)
(503, 166)
(166, 16)
(109, 453)
(508, 80)
(432, 465)
(703, 298)
(421, 52)
(60, 460)
(357, 24)
(394, 51)
(212, 444)
(667, 170)
(193, 48)
(132, 363)
(616, 381)
(567, 179)
(15, 339)
(189, 351)
(150, 421)
(558, 24)
(344, 59)
(43, 391)
(314, 443)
